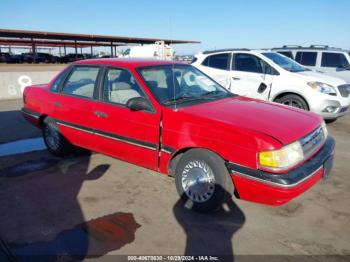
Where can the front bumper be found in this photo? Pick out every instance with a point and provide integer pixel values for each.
(277, 189)
(337, 109)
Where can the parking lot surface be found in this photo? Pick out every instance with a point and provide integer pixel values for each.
(31, 67)
(91, 205)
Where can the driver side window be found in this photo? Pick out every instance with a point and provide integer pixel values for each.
(252, 64)
(247, 63)
(120, 86)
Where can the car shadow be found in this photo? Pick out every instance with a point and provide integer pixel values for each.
(42, 219)
(15, 127)
(210, 234)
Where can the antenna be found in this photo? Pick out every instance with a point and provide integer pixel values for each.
(173, 64)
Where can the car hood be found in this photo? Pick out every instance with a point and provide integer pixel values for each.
(321, 77)
(283, 123)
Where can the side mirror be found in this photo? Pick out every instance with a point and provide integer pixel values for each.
(138, 104)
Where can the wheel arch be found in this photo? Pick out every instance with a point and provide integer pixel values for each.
(175, 158)
(42, 119)
(280, 95)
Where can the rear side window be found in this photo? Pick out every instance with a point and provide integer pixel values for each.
(59, 80)
(286, 53)
(306, 58)
(81, 81)
(334, 60)
(219, 61)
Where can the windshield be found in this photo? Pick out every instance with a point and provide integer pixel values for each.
(178, 84)
(285, 62)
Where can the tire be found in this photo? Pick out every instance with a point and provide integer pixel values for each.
(293, 101)
(329, 121)
(208, 196)
(54, 141)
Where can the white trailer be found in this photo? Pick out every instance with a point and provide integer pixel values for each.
(158, 50)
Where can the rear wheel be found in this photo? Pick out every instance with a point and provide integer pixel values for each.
(55, 142)
(202, 180)
(293, 101)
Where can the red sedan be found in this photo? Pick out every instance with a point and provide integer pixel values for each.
(172, 118)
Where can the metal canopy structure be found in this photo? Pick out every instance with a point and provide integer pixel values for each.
(35, 39)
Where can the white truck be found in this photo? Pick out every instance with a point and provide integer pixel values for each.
(158, 50)
(270, 76)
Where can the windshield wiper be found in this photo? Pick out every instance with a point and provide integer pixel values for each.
(213, 94)
(180, 99)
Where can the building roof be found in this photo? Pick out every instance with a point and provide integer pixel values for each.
(83, 38)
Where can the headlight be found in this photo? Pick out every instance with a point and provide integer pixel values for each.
(324, 129)
(322, 88)
(283, 158)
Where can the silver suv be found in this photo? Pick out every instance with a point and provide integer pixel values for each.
(330, 60)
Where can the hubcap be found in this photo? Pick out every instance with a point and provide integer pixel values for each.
(52, 136)
(198, 181)
(293, 103)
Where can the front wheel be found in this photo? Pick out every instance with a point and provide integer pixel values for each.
(202, 180)
(293, 101)
(329, 121)
(55, 142)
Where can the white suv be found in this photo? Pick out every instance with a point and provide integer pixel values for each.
(274, 77)
(330, 60)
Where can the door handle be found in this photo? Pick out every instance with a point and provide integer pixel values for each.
(57, 104)
(100, 114)
(262, 88)
(236, 78)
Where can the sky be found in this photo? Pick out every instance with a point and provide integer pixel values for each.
(217, 24)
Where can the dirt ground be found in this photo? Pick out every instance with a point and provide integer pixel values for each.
(92, 205)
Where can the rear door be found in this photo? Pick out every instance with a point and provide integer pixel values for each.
(73, 104)
(132, 136)
(217, 66)
(251, 76)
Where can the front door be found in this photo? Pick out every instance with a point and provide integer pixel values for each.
(251, 76)
(132, 136)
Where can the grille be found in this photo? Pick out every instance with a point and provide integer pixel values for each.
(312, 142)
(344, 90)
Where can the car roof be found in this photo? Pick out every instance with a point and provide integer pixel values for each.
(125, 62)
(241, 50)
(311, 48)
